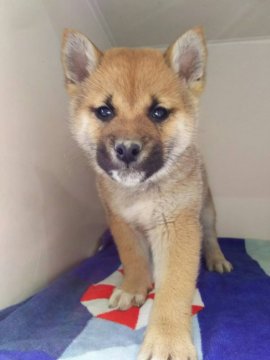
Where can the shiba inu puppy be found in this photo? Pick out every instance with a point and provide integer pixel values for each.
(134, 112)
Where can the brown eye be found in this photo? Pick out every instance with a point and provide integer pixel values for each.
(158, 113)
(104, 113)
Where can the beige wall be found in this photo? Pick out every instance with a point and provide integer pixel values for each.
(235, 136)
(50, 215)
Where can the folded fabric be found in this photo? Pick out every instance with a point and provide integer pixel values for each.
(70, 319)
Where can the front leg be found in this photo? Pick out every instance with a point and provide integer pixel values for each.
(134, 257)
(176, 254)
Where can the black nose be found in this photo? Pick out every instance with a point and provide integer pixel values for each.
(127, 153)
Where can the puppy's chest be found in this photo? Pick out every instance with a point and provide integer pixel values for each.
(139, 212)
(144, 211)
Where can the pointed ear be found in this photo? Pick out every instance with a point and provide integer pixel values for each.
(79, 58)
(187, 57)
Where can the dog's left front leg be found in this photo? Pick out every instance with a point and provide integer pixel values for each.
(176, 254)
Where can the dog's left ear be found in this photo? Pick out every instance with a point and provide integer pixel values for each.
(187, 57)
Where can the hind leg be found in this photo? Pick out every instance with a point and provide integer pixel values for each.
(214, 258)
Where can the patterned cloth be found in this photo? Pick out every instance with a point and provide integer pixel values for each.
(96, 299)
(58, 322)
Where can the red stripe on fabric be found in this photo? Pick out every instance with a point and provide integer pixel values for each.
(196, 308)
(98, 292)
(128, 317)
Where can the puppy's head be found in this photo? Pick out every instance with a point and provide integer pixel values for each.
(134, 111)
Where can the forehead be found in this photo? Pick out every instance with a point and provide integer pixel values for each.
(135, 77)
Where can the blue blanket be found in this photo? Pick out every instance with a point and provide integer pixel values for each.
(56, 324)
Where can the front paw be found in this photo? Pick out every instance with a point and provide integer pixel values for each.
(133, 292)
(158, 345)
(123, 300)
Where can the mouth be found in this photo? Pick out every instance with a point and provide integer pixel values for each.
(128, 177)
(133, 174)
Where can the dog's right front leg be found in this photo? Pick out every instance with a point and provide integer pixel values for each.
(137, 276)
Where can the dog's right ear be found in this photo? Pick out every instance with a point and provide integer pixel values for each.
(79, 58)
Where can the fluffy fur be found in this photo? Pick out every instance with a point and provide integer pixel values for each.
(159, 207)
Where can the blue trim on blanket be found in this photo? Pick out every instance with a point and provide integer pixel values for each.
(235, 323)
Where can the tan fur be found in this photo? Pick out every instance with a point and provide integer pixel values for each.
(135, 261)
(163, 217)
